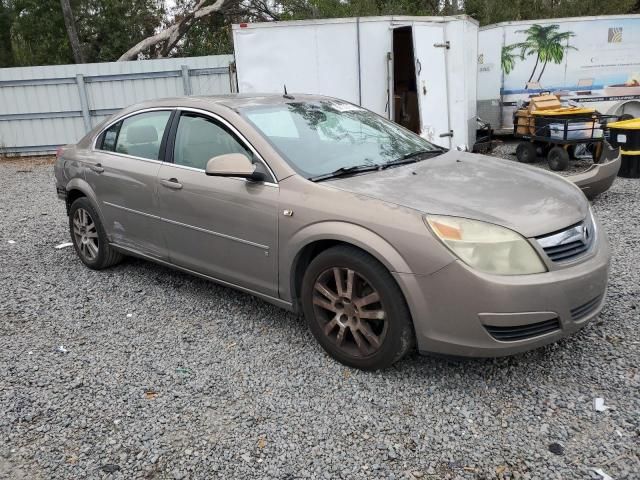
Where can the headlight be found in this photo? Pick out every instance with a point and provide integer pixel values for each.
(486, 247)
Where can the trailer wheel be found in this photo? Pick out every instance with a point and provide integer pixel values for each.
(526, 152)
(558, 159)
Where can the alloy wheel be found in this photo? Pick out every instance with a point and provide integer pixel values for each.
(85, 234)
(349, 311)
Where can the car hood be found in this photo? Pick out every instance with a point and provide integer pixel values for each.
(520, 197)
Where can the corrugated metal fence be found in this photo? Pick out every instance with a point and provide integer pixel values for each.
(44, 107)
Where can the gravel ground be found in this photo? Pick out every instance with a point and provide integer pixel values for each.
(162, 375)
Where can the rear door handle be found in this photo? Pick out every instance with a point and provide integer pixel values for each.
(97, 168)
(171, 183)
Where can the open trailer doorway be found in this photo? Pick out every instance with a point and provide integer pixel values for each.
(405, 92)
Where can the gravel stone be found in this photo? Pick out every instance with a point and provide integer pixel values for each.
(225, 372)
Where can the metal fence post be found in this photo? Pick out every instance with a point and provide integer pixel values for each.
(186, 81)
(84, 103)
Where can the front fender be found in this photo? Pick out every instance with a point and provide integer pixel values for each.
(340, 231)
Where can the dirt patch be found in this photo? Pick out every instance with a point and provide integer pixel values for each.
(26, 163)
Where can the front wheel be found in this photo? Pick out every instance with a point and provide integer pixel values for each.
(558, 159)
(526, 152)
(355, 309)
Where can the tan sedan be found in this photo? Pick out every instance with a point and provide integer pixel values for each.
(383, 240)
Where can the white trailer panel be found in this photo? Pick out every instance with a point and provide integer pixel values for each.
(354, 59)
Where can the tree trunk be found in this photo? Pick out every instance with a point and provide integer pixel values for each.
(534, 69)
(544, 65)
(72, 33)
(171, 35)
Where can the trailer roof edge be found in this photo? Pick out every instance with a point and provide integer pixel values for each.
(391, 18)
(563, 19)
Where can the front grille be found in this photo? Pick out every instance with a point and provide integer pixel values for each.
(566, 251)
(570, 243)
(522, 332)
(585, 309)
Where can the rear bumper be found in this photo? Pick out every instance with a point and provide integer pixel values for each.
(459, 311)
(599, 177)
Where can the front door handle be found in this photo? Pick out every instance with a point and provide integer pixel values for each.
(97, 168)
(171, 183)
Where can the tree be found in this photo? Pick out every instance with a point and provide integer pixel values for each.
(169, 37)
(508, 58)
(546, 42)
(72, 33)
(6, 20)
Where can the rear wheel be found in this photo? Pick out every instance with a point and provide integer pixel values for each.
(88, 236)
(526, 152)
(355, 309)
(558, 158)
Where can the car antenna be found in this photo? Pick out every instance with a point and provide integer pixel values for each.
(286, 95)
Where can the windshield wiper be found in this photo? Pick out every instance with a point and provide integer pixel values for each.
(414, 157)
(344, 171)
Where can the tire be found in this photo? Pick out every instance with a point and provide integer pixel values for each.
(526, 152)
(558, 159)
(375, 334)
(89, 238)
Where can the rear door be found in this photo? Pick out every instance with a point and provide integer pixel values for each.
(429, 49)
(122, 171)
(226, 228)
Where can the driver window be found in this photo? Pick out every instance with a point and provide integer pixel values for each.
(198, 139)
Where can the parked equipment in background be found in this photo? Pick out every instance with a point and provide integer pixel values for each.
(417, 71)
(590, 60)
(626, 135)
(553, 131)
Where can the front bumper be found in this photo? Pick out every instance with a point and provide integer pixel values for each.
(598, 178)
(455, 309)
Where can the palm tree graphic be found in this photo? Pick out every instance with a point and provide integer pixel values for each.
(546, 42)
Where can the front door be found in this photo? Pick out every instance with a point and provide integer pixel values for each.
(122, 172)
(222, 227)
(429, 49)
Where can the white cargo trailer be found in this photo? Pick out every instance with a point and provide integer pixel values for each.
(417, 71)
(599, 65)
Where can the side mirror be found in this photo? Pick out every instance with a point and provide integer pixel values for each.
(233, 165)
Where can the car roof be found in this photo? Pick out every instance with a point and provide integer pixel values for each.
(232, 101)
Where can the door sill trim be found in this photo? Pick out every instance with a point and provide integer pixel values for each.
(273, 300)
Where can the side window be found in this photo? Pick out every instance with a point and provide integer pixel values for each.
(198, 139)
(140, 135)
(109, 137)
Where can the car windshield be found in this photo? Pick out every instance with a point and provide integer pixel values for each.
(321, 137)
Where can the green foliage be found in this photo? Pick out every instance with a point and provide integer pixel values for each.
(38, 35)
(6, 19)
(494, 11)
(32, 32)
(508, 57)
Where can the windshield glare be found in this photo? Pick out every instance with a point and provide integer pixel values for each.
(317, 138)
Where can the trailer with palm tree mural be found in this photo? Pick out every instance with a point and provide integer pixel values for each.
(593, 62)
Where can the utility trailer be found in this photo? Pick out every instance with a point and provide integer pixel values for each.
(598, 65)
(417, 71)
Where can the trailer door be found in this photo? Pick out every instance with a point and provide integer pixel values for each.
(429, 49)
